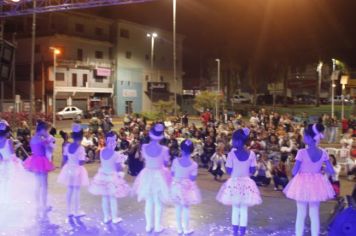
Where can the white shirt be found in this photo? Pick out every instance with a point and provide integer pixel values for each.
(87, 142)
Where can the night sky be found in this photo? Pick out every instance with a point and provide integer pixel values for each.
(297, 31)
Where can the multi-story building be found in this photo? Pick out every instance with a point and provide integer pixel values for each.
(101, 62)
(138, 84)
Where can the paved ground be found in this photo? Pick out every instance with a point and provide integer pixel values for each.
(274, 217)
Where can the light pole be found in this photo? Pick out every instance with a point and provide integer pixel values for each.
(344, 80)
(175, 54)
(152, 36)
(56, 52)
(319, 70)
(32, 69)
(218, 93)
(333, 85)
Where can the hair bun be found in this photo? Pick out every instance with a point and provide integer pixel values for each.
(320, 127)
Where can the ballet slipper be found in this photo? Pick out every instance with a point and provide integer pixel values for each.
(235, 229)
(242, 231)
(188, 231)
(117, 220)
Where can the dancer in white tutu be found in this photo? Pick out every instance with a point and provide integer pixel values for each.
(184, 190)
(17, 196)
(73, 173)
(109, 182)
(309, 186)
(240, 191)
(152, 184)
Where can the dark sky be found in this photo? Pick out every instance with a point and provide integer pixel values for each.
(294, 30)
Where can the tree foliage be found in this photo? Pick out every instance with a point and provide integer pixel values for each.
(207, 99)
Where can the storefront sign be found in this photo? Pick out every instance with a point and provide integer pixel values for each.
(157, 86)
(129, 93)
(103, 72)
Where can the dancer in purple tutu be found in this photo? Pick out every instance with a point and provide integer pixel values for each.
(152, 184)
(109, 182)
(73, 173)
(184, 190)
(40, 165)
(309, 186)
(240, 191)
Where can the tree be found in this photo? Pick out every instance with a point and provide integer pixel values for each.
(207, 99)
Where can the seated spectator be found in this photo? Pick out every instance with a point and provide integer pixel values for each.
(263, 175)
(280, 176)
(209, 150)
(218, 160)
(334, 179)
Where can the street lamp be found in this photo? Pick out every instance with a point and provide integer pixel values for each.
(333, 85)
(218, 93)
(55, 52)
(320, 71)
(153, 36)
(344, 80)
(175, 54)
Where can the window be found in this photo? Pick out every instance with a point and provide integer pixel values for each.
(124, 33)
(128, 55)
(99, 79)
(80, 54)
(79, 28)
(98, 31)
(59, 76)
(74, 80)
(128, 107)
(74, 109)
(37, 48)
(85, 80)
(99, 55)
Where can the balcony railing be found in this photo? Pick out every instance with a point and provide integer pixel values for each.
(89, 63)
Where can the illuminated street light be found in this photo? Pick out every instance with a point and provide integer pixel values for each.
(55, 52)
(152, 36)
(344, 81)
(218, 92)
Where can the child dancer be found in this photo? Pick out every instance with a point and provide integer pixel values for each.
(73, 174)
(184, 190)
(309, 186)
(16, 186)
(108, 182)
(240, 191)
(40, 165)
(152, 184)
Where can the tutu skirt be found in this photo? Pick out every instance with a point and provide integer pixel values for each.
(109, 184)
(153, 182)
(239, 191)
(185, 192)
(73, 175)
(38, 164)
(308, 187)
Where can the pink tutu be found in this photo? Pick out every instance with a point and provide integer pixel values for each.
(308, 187)
(112, 185)
(153, 182)
(73, 175)
(239, 191)
(185, 192)
(38, 164)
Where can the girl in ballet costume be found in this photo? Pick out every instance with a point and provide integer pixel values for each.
(73, 174)
(309, 187)
(109, 182)
(184, 190)
(152, 184)
(40, 165)
(17, 202)
(240, 191)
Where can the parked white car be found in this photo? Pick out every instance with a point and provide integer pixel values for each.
(240, 99)
(70, 112)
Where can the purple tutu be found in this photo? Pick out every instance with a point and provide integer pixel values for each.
(109, 184)
(185, 192)
(38, 164)
(73, 175)
(152, 182)
(239, 191)
(309, 187)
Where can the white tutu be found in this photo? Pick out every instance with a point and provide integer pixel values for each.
(185, 192)
(153, 182)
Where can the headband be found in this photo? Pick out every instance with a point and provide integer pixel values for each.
(246, 131)
(318, 135)
(3, 126)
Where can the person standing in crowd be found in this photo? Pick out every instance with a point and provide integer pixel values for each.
(209, 150)
(40, 165)
(152, 184)
(240, 191)
(309, 187)
(334, 179)
(135, 161)
(184, 190)
(106, 124)
(218, 160)
(206, 117)
(109, 182)
(73, 174)
(185, 119)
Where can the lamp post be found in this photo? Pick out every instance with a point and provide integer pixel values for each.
(218, 93)
(175, 54)
(320, 71)
(333, 85)
(344, 80)
(152, 36)
(56, 52)
(32, 69)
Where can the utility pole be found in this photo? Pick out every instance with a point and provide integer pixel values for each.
(32, 76)
(175, 55)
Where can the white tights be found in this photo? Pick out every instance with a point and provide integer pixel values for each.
(109, 205)
(153, 209)
(239, 215)
(302, 208)
(182, 214)
(41, 191)
(73, 200)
